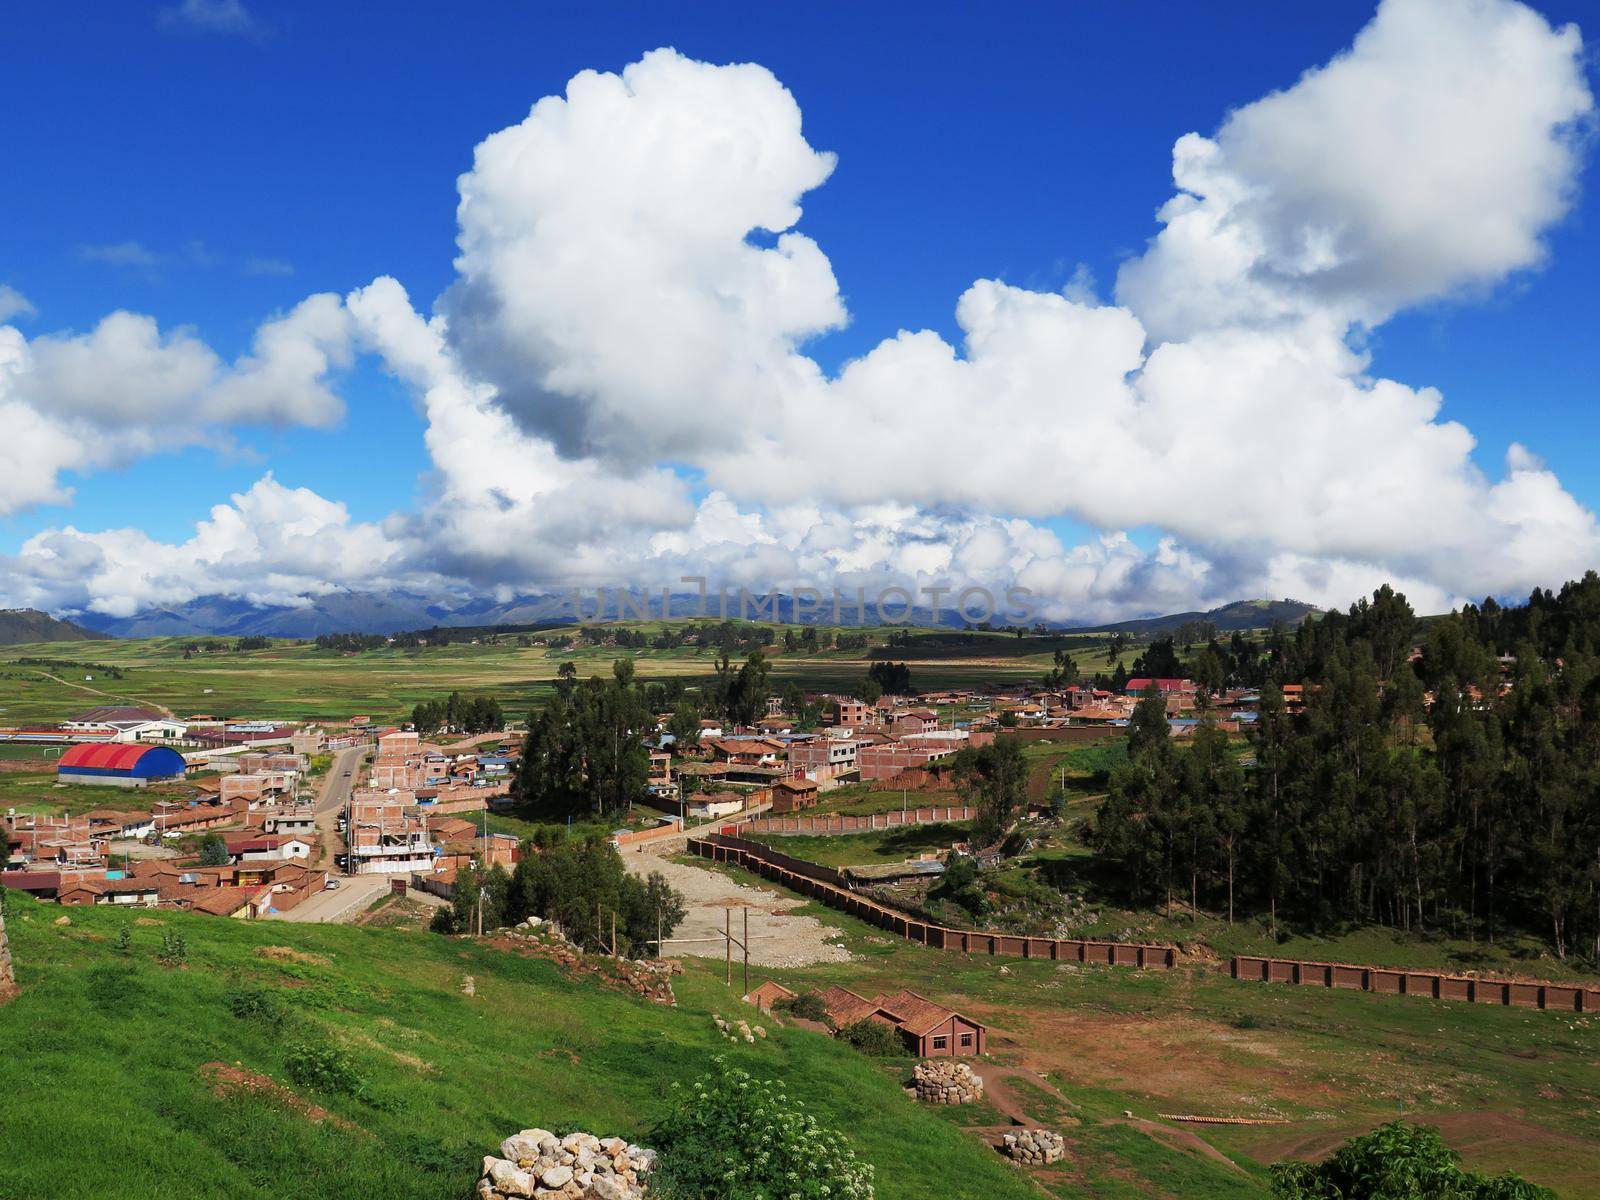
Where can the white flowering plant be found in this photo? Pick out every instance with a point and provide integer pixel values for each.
(733, 1137)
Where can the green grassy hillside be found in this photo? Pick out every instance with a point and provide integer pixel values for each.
(104, 1088)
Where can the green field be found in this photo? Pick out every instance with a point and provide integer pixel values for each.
(293, 680)
(858, 849)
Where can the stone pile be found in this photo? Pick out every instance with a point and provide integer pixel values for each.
(737, 1031)
(579, 1166)
(942, 1081)
(1036, 1147)
(650, 978)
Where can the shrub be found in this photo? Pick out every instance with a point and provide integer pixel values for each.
(810, 1007)
(124, 939)
(444, 921)
(732, 1137)
(174, 950)
(323, 1068)
(261, 1005)
(873, 1037)
(1397, 1162)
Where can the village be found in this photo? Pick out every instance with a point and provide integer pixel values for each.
(397, 806)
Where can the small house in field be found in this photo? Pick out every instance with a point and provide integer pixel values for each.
(928, 1029)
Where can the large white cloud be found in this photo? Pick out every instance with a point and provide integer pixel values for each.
(617, 389)
(271, 544)
(608, 287)
(1428, 158)
(124, 390)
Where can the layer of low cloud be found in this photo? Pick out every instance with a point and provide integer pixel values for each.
(634, 291)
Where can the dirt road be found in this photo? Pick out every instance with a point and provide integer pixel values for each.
(778, 937)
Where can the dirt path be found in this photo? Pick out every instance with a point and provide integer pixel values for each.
(996, 1077)
(123, 697)
(778, 937)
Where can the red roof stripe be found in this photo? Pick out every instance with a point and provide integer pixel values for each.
(105, 757)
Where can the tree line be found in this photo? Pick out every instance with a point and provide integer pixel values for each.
(458, 714)
(1474, 814)
(580, 884)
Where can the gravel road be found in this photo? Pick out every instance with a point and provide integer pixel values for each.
(778, 936)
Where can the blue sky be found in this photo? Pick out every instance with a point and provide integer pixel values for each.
(319, 148)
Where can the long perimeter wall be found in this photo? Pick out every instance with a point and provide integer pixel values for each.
(827, 885)
(822, 883)
(1433, 985)
(833, 823)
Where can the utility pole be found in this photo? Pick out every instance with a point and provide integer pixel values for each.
(727, 944)
(745, 946)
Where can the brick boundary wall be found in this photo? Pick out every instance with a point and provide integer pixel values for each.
(834, 824)
(766, 862)
(1432, 985)
(635, 836)
(825, 884)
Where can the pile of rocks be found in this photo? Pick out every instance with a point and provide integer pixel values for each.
(650, 978)
(942, 1081)
(1035, 1147)
(579, 1166)
(737, 1031)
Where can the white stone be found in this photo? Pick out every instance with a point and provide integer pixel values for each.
(557, 1177)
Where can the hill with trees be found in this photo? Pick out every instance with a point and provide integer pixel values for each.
(1438, 778)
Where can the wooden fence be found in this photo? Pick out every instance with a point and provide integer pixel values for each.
(821, 883)
(833, 823)
(1403, 981)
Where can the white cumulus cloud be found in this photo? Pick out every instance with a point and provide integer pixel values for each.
(617, 386)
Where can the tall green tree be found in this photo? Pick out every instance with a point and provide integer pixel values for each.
(585, 753)
(994, 780)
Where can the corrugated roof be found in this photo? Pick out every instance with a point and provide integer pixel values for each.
(105, 757)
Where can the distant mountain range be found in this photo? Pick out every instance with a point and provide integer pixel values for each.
(1240, 615)
(394, 612)
(19, 626)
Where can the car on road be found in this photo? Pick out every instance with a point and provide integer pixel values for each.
(330, 885)
(347, 774)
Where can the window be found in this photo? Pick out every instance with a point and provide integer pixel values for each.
(966, 1040)
(939, 1043)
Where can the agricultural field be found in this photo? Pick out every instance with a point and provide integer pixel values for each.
(295, 680)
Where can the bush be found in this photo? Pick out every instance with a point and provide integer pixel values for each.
(732, 1137)
(810, 1007)
(874, 1038)
(174, 950)
(444, 921)
(1397, 1162)
(323, 1068)
(261, 1005)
